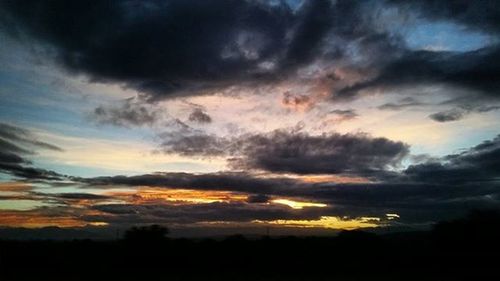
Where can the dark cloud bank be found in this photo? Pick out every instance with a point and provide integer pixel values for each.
(420, 194)
(165, 48)
(289, 151)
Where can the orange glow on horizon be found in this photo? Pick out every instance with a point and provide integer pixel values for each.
(328, 222)
(151, 194)
(37, 220)
(15, 187)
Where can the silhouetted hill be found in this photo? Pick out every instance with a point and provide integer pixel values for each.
(465, 249)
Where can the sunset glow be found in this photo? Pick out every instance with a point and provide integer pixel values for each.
(326, 222)
(222, 117)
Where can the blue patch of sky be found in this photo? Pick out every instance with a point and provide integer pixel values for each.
(33, 94)
(28, 103)
(444, 36)
(79, 171)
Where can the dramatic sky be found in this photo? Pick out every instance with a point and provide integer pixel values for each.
(297, 116)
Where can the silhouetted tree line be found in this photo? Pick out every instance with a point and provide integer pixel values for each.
(148, 234)
(463, 249)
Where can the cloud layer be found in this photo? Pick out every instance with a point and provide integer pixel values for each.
(15, 144)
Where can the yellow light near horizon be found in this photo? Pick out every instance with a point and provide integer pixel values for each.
(36, 220)
(325, 222)
(392, 216)
(40, 218)
(98, 223)
(298, 204)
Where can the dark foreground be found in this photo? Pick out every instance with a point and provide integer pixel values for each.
(462, 250)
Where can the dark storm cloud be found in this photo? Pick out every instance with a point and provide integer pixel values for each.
(179, 47)
(8, 157)
(295, 152)
(13, 156)
(199, 116)
(163, 47)
(283, 151)
(474, 70)
(242, 182)
(314, 21)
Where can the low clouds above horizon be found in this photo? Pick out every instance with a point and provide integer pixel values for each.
(248, 111)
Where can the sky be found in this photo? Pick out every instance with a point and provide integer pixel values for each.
(210, 116)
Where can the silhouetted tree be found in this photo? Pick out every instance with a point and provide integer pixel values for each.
(146, 233)
(479, 230)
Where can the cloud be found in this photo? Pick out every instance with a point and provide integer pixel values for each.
(151, 52)
(198, 144)
(341, 48)
(225, 181)
(13, 156)
(438, 188)
(477, 164)
(297, 102)
(199, 116)
(435, 189)
(447, 116)
(282, 151)
(258, 198)
(211, 212)
(28, 172)
(474, 70)
(344, 114)
(254, 43)
(402, 104)
(81, 196)
(130, 112)
(22, 136)
(462, 111)
(289, 151)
